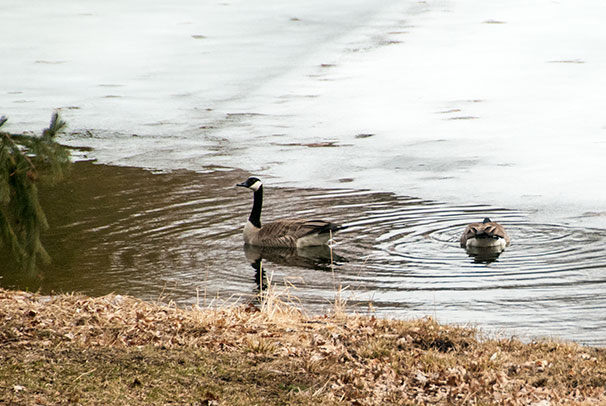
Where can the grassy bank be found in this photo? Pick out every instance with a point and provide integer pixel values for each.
(116, 350)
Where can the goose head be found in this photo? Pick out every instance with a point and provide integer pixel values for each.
(251, 183)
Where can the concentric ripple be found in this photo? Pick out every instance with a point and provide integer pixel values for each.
(547, 282)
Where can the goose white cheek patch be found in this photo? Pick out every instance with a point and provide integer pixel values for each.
(255, 186)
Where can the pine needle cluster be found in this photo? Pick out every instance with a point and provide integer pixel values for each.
(24, 161)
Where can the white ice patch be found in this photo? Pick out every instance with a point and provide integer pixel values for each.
(465, 102)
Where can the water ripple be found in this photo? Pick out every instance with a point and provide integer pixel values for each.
(178, 235)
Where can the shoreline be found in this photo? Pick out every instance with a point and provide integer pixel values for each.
(74, 349)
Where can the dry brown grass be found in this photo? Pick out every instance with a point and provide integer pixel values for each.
(114, 350)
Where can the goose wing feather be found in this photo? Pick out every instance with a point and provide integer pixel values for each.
(285, 233)
(295, 227)
(484, 230)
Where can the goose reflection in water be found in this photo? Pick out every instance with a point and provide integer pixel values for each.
(320, 258)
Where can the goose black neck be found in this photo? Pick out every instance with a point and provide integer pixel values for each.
(255, 214)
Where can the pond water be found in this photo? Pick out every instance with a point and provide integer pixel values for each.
(405, 120)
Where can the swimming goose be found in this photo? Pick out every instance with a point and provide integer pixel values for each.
(282, 233)
(487, 234)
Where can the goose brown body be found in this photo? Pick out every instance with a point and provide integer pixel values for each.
(485, 234)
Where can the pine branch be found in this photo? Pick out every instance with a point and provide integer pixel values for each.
(25, 160)
(56, 125)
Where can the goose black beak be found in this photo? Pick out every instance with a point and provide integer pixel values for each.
(243, 184)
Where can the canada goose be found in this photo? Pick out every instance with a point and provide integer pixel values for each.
(282, 233)
(487, 234)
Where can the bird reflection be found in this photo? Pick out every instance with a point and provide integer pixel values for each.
(318, 257)
(484, 255)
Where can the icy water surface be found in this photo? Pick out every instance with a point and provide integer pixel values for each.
(469, 102)
(177, 236)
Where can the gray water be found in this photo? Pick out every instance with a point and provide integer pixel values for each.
(177, 236)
